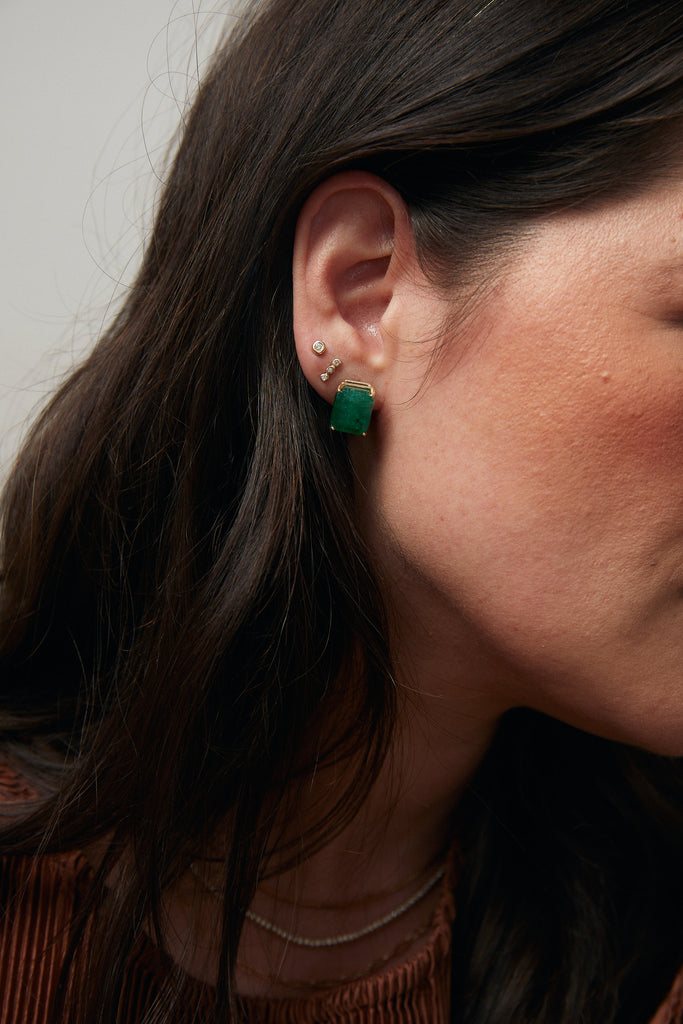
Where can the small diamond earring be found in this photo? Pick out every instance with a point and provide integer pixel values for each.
(330, 369)
(319, 347)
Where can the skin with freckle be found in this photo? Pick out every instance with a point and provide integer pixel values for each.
(531, 496)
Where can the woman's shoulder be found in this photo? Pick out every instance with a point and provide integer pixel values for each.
(28, 884)
(41, 900)
(38, 898)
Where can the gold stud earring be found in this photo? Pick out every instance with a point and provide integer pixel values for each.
(330, 369)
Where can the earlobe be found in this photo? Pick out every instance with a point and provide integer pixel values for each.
(350, 245)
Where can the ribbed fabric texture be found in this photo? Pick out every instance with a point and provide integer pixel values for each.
(37, 900)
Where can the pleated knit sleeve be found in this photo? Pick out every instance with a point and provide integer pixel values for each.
(37, 900)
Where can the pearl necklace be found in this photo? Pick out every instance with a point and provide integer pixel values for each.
(334, 940)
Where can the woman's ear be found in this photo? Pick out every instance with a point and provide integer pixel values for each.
(353, 246)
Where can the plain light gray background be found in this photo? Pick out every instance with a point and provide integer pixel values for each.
(92, 92)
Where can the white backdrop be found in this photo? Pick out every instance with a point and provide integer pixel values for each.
(92, 92)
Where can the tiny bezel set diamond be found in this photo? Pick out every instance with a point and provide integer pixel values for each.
(319, 347)
(330, 369)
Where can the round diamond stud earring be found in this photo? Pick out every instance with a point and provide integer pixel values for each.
(319, 347)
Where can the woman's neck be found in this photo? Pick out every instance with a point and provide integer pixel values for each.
(373, 868)
(448, 714)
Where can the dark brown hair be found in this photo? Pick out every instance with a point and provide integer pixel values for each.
(186, 599)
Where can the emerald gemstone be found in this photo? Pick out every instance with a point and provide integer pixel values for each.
(352, 407)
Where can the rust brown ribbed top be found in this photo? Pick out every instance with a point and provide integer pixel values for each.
(37, 899)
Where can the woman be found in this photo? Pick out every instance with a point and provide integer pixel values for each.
(303, 725)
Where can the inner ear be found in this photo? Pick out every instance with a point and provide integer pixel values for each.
(350, 241)
(362, 295)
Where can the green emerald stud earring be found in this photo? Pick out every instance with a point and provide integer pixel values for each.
(352, 407)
